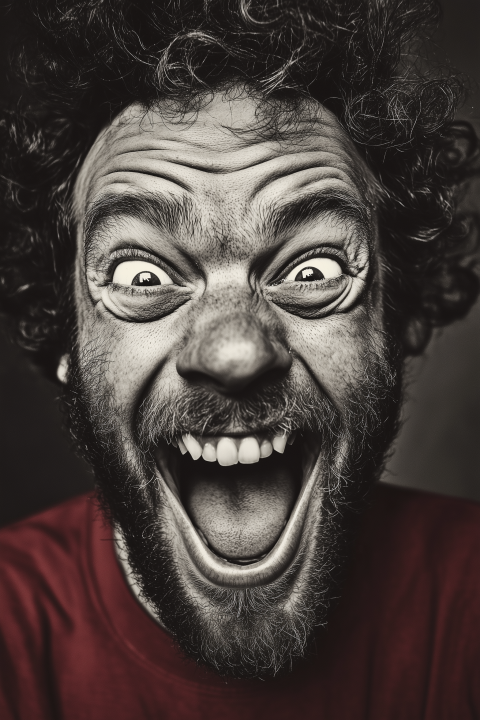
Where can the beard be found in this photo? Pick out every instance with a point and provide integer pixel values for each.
(249, 632)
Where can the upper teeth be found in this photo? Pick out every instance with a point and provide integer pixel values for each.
(231, 450)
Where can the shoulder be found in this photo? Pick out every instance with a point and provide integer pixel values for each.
(43, 590)
(59, 524)
(428, 533)
(434, 516)
(410, 615)
(45, 549)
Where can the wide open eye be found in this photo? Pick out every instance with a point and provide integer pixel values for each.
(140, 273)
(316, 268)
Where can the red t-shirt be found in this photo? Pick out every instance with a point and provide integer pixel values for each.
(404, 643)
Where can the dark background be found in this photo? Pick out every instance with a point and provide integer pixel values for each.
(438, 449)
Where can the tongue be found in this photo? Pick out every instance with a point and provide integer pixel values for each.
(240, 510)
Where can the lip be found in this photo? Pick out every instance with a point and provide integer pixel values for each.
(221, 572)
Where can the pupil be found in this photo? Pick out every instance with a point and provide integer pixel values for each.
(309, 273)
(146, 278)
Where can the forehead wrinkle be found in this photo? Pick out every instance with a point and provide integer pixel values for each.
(222, 158)
(212, 161)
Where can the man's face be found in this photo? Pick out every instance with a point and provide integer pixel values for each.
(232, 379)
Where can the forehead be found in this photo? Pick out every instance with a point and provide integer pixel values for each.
(219, 160)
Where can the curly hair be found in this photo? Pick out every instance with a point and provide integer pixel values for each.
(90, 59)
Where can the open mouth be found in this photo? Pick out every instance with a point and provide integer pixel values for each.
(240, 502)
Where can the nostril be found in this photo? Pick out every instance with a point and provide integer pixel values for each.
(233, 385)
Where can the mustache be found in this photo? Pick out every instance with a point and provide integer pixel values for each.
(282, 407)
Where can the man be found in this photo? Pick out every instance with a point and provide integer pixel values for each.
(225, 227)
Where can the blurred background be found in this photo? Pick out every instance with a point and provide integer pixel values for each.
(439, 446)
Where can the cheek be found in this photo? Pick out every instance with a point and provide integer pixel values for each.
(336, 349)
(131, 354)
(140, 353)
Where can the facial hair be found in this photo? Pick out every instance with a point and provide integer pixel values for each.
(255, 632)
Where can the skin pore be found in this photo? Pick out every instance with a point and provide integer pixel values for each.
(265, 286)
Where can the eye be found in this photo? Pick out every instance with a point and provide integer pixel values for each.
(140, 273)
(319, 268)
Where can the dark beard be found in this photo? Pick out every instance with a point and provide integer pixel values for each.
(248, 632)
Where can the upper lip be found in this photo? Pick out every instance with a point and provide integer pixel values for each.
(220, 571)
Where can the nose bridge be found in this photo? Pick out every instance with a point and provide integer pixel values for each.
(226, 297)
(232, 344)
(232, 310)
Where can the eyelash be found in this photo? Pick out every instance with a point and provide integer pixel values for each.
(134, 254)
(132, 290)
(316, 252)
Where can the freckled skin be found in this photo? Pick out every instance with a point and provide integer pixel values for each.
(233, 324)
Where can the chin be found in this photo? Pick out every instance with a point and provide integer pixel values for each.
(247, 604)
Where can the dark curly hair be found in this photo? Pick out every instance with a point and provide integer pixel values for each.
(86, 60)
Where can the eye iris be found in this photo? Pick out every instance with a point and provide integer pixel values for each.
(146, 278)
(308, 274)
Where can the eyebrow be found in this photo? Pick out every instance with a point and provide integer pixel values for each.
(165, 212)
(169, 213)
(289, 216)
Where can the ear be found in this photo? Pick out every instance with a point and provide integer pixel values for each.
(416, 334)
(62, 369)
(459, 146)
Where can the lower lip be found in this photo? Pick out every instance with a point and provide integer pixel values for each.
(222, 573)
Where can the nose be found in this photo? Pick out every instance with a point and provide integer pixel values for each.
(231, 353)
